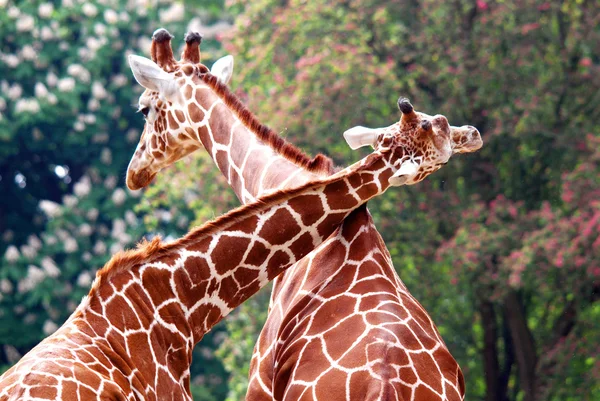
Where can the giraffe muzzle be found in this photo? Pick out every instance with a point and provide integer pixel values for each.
(139, 180)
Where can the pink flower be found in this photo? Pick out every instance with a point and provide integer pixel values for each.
(559, 261)
(585, 62)
(482, 5)
(544, 6)
(525, 29)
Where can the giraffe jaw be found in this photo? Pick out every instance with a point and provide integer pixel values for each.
(407, 171)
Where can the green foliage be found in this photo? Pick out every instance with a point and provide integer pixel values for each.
(67, 131)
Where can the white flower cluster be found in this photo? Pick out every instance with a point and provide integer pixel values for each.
(45, 10)
(27, 105)
(83, 187)
(50, 209)
(49, 327)
(172, 14)
(84, 279)
(50, 267)
(25, 23)
(79, 72)
(66, 84)
(11, 254)
(34, 276)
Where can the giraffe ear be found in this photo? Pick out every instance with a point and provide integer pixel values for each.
(223, 68)
(150, 75)
(407, 171)
(359, 136)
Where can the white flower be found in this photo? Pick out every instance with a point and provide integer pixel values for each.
(93, 104)
(3, 3)
(45, 10)
(118, 228)
(11, 254)
(25, 23)
(50, 209)
(100, 29)
(6, 286)
(50, 267)
(70, 245)
(70, 201)
(124, 17)
(119, 80)
(110, 182)
(27, 106)
(119, 196)
(89, 10)
(89, 119)
(46, 33)
(50, 240)
(92, 214)
(84, 279)
(66, 84)
(78, 71)
(93, 44)
(11, 60)
(62, 234)
(83, 186)
(86, 256)
(79, 126)
(28, 251)
(2, 104)
(67, 3)
(98, 90)
(132, 135)
(12, 355)
(110, 16)
(116, 247)
(106, 156)
(52, 99)
(174, 13)
(99, 248)
(13, 12)
(34, 242)
(49, 327)
(34, 276)
(40, 90)
(28, 53)
(51, 79)
(14, 92)
(130, 218)
(85, 229)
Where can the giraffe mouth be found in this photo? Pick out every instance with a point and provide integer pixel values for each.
(140, 179)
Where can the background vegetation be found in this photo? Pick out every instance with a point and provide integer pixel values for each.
(502, 247)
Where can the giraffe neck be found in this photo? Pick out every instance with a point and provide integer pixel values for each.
(254, 160)
(202, 276)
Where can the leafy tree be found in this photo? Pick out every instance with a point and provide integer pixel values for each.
(495, 245)
(67, 132)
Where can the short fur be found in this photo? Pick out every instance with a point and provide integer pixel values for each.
(318, 164)
(147, 251)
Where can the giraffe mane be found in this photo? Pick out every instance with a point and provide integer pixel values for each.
(319, 164)
(149, 251)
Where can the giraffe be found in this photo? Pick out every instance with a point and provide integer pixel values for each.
(132, 336)
(315, 304)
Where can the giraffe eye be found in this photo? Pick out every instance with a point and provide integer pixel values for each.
(145, 111)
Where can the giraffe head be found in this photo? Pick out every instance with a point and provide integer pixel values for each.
(419, 143)
(168, 104)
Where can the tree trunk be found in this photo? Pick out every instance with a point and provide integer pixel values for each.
(524, 345)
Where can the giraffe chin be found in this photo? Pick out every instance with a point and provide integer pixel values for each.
(139, 180)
